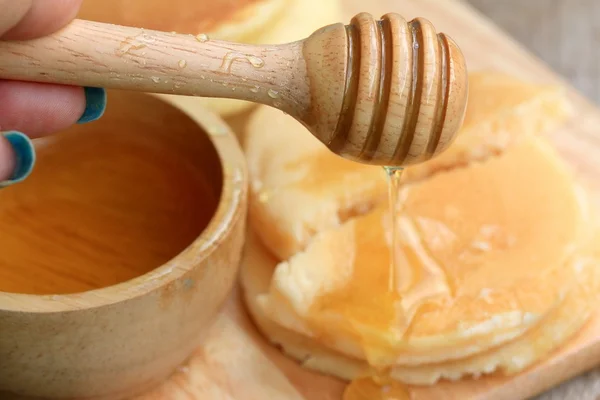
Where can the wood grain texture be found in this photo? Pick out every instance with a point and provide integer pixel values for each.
(118, 203)
(563, 33)
(87, 53)
(338, 81)
(235, 356)
(247, 21)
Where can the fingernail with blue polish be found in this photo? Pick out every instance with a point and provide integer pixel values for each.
(24, 154)
(95, 104)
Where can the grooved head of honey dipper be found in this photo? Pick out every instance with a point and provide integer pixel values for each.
(388, 92)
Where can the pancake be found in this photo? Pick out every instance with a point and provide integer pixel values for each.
(480, 295)
(257, 270)
(299, 187)
(220, 19)
(473, 252)
(258, 266)
(501, 111)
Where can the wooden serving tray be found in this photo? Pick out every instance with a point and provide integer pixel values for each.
(236, 363)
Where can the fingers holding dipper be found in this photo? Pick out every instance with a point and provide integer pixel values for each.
(30, 110)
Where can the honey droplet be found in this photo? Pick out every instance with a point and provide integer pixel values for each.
(217, 130)
(368, 389)
(264, 196)
(155, 79)
(182, 63)
(274, 94)
(255, 89)
(202, 38)
(133, 43)
(256, 62)
(232, 56)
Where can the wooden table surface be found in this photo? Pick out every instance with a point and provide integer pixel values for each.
(563, 33)
(566, 35)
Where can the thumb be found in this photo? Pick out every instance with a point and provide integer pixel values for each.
(28, 19)
(17, 157)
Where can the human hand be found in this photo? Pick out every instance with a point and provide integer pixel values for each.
(37, 109)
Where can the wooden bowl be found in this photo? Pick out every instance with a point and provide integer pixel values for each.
(118, 251)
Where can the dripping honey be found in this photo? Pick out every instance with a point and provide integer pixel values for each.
(363, 300)
(394, 175)
(372, 294)
(369, 389)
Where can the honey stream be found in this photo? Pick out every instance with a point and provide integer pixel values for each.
(373, 388)
(394, 175)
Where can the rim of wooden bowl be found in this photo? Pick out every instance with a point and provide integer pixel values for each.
(229, 210)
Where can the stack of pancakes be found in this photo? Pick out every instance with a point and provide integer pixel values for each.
(498, 244)
(243, 21)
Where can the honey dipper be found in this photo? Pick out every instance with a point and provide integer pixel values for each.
(389, 92)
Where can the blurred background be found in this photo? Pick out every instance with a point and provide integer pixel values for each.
(563, 33)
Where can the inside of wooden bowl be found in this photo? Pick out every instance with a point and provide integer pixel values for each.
(110, 200)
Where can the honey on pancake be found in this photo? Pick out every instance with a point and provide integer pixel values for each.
(365, 298)
(365, 304)
(370, 389)
(472, 274)
(376, 299)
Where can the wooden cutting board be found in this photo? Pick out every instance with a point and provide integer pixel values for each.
(236, 363)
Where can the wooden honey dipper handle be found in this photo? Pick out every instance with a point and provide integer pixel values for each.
(387, 92)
